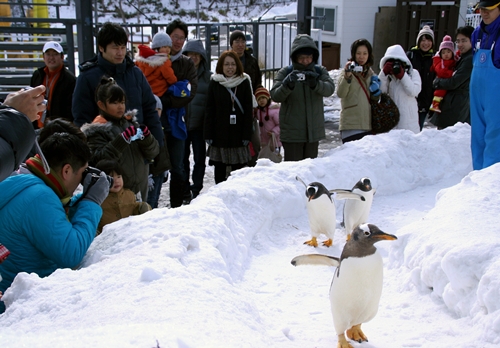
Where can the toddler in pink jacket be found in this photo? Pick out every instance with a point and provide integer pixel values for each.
(267, 114)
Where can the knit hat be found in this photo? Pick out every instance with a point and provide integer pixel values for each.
(235, 35)
(447, 43)
(426, 30)
(161, 39)
(262, 92)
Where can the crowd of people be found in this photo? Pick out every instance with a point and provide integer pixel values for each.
(124, 126)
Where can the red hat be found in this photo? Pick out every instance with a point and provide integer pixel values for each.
(447, 43)
(262, 92)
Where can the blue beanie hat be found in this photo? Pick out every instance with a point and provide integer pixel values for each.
(161, 39)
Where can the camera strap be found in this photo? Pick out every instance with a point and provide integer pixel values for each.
(234, 98)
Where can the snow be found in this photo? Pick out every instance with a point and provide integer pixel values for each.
(217, 272)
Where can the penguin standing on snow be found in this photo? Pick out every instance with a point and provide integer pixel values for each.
(357, 283)
(322, 212)
(356, 212)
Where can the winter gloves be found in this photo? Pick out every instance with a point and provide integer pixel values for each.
(95, 190)
(394, 68)
(132, 133)
(310, 78)
(375, 86)
(290, 79)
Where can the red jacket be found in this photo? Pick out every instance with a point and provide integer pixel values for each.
(444, 69)
(157, 68)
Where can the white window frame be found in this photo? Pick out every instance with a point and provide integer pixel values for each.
(319, 24)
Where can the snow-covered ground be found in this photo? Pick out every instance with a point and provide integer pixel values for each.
(217, 272)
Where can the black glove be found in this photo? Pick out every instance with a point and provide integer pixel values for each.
(245, 142)
(95, 191)
(311, 79)
(290, 80)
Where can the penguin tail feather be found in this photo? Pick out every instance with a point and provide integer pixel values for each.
(316, 259)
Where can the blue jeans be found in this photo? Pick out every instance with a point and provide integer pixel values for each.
(178, 176)
(154, 194)
(195, 138)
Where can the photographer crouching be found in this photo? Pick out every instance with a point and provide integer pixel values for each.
(43, 226)
(357, 85)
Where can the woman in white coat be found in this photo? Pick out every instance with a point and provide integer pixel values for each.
(403, 84)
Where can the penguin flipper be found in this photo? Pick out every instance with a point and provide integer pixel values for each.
(316, 259)
(299, 179)
(346, 194)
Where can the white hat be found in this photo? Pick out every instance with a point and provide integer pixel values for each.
(52, 45)
(161, 39)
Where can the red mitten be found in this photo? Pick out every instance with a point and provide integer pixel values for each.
(145, 130)
(387, 69)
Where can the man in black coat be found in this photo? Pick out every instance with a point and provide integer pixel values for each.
(58, 81)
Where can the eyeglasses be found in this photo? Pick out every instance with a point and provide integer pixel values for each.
(239, 42)
(178, 38)
(461, 41)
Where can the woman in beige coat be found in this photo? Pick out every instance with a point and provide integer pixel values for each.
(356, 81)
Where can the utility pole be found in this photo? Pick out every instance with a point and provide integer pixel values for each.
(84, 29)
(304, 16)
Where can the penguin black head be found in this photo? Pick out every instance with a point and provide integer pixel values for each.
(364, 184)
(363, 239)
(315, 190)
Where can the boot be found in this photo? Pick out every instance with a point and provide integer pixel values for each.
(435, 104)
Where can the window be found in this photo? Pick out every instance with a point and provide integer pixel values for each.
(328, 24)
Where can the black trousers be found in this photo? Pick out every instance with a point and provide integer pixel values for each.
(220, 170)
(300, 151)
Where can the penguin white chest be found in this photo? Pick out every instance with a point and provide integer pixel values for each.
(322, 216)
(356, 211)
(355, 291)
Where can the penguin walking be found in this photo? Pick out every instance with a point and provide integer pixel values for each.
(322, 212)
(356, 212)
(357, 282)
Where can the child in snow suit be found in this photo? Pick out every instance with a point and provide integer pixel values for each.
(121, 202)
(155, 63)
(268, 115)
(443, 64)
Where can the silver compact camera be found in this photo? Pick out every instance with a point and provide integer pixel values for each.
(301, 77)
(355, 67)
(232, 119)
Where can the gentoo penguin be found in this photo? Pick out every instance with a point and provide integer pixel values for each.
(321, 211)
(357, 282)
(356, 212)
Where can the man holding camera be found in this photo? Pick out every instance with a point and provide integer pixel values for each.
(43, 226)
(300, 89)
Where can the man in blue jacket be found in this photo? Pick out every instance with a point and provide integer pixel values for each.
(112, 60)
(43, 227)
(484, 87)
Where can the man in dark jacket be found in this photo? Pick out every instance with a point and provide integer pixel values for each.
(113, 61)
(195, 118)
(59, 83)
(184, 70)
(300, 90)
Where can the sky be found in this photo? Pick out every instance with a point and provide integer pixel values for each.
(217, 272)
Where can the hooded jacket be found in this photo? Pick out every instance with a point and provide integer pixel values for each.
(130, 78)
(157, 68)
(302, 117)
(106, 142)
(37, 231)
(196, 111)
(405, 91)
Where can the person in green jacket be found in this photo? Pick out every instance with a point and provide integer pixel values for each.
(300, 89)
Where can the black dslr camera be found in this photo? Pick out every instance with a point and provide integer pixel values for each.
(355, 67)
(396, 67)
(96, 173)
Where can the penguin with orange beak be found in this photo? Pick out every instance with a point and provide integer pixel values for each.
(357, 282)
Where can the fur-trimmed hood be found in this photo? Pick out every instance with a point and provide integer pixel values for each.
(156, 60)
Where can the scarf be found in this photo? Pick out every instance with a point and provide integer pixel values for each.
(52, 180)
(234, 81)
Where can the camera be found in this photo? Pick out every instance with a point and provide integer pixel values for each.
(355, 67)
(301, 77)
(396, 67)
(44, 114)
(96, 173)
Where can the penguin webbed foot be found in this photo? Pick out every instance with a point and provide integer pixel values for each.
(342, 342)
(328, 243)
(313, 242)
(355, 334)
